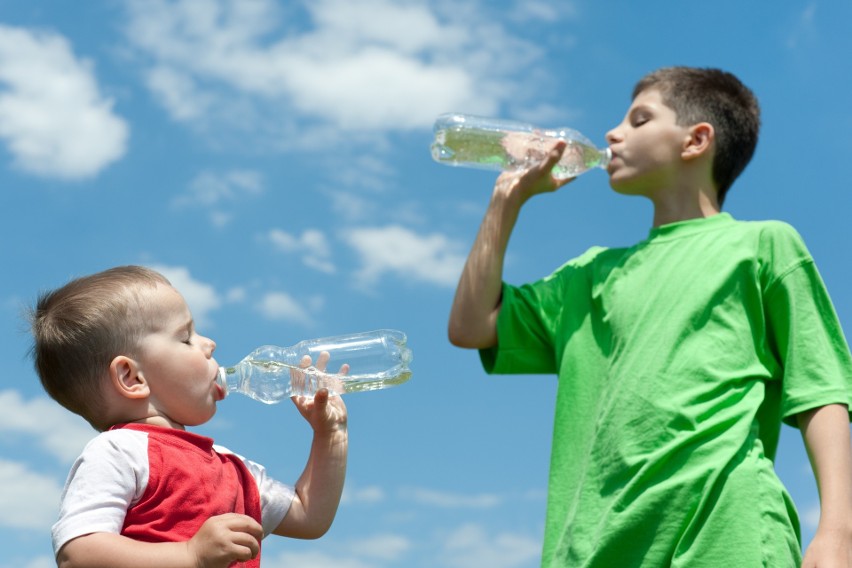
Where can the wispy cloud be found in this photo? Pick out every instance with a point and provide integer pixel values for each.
(315, 559)
(374, 65)
(448, 500)
(368, 494)
(202, 298)
(38, 562)
(41, 420)
(810, 516)
(804, 27)
(53, 118)
(213, 191)
(475, 546)
(28, 499)
(369, 551)
(434, 259)
(312, 246)
(212, 188)
(282, 306)
(468, 545)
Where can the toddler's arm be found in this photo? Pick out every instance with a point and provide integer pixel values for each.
(826, 434)
(220, 541)
(320, 486)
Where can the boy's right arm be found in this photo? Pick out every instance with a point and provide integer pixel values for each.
(473, 317)
(220, 541)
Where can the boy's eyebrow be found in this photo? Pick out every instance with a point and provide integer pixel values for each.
(641, 107)
(188, 326)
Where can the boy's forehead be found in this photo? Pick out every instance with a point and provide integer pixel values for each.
(165, 305)
(650, 96)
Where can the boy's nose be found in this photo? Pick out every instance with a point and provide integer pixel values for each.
(210, 345)
(613, 136)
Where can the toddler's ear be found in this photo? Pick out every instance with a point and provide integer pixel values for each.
(126, 379)
(700, 140)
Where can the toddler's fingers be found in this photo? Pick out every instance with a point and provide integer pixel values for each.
(321, 397)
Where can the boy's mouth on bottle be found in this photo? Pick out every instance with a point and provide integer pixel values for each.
(614, 157)
(218, 387)
(219, 392)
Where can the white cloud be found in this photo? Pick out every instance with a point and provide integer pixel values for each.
(369, 494)
(804, 28)
(386, 547)
(210, 188)
(433, 259)
(28, 499)
(201, 298)
(312, 245)
(236, 295)
(314, 560)
(53, 118)
(282, 306)
(473, 546)
(810, 516)
(448, 500)
(57, 431)
(178, 93)
(372, 65)
(38, 562)
(544, 11)
(370, 551)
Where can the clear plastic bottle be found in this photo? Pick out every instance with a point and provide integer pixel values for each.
(375, 359)
(496, 144)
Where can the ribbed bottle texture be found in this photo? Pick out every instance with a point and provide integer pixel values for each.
(496, 144)
(342, 364)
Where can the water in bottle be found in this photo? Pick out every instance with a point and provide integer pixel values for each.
(364, 361)
(496, 144)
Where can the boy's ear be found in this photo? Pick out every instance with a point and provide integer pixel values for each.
(700, 140)
(126, 378)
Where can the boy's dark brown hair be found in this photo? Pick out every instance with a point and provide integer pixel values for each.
(716, 97)
(80, 328)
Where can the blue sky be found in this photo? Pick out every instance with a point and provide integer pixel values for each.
(272, 159)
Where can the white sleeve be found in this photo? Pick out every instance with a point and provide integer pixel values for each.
(275, 497)
(109, 476)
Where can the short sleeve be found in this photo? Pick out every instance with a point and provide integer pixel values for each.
(109, 476)
(804, 330)
(531, 315)
(523, 339)
(275, 497)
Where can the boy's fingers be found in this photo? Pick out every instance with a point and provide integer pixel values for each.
(553, 156)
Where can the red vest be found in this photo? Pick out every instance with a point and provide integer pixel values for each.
(188, 483)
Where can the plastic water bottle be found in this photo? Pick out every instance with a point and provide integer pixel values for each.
(367, 361)
(496, 144)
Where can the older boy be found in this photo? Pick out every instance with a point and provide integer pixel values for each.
(677, 358)
(120, 349)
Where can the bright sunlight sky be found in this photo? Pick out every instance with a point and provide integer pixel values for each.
(271, 157)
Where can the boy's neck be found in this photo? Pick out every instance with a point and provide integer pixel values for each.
(671, 207)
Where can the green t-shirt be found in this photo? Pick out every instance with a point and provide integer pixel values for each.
(677, 359)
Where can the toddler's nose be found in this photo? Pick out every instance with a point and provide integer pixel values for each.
(209, 345)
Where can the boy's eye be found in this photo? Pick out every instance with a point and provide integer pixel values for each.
(188, 340)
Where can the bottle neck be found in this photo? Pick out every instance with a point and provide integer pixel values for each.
(223, 388)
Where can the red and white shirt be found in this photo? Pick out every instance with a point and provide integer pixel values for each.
(158, 484)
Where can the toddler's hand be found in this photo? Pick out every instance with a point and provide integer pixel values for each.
(224, 539)
(325, 414)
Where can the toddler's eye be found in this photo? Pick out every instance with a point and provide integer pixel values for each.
(188, 340)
